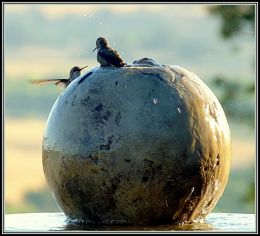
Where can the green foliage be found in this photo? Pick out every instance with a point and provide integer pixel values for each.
(250, 194)
(239, 196)
(23, 99)
(24, 208)
(42, 200)
(237, 98)
(234, 18)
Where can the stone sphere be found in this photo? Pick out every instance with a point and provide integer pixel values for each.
(140, 144)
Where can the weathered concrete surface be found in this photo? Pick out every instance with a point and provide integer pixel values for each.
(143, 144)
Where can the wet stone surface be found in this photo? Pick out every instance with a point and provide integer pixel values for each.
(137, 145)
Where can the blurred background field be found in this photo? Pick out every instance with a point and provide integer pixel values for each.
(45, 40)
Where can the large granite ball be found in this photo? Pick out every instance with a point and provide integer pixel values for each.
(141, 144)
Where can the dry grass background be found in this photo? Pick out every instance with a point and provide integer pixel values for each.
(23, 166)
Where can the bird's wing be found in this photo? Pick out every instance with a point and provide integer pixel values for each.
(43, 81)
(112, 56)
(62, 83)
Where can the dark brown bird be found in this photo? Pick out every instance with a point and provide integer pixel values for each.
(106, 55)
(62, 83)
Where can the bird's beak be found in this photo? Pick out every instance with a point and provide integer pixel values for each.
(94, 49)
(83, 67)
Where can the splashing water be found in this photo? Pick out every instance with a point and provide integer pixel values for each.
(155, 100)
(179, 110)
(198, 153)
(216, 185)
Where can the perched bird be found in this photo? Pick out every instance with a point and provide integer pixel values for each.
(106, 55)
(63, 83)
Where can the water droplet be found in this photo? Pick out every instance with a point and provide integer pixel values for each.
(204, 212)
(90, 16)
(217, 184)
(84, 14)
(122, 52)
(100, 23)
(179, 110)
(125, 86)
(155, 100)
(198, 153)
(217, 159)
(114, 43)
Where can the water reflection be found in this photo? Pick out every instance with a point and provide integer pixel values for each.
(221, 222)
(187, 227)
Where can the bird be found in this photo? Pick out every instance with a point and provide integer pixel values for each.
(62, 83)
(106, 55)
